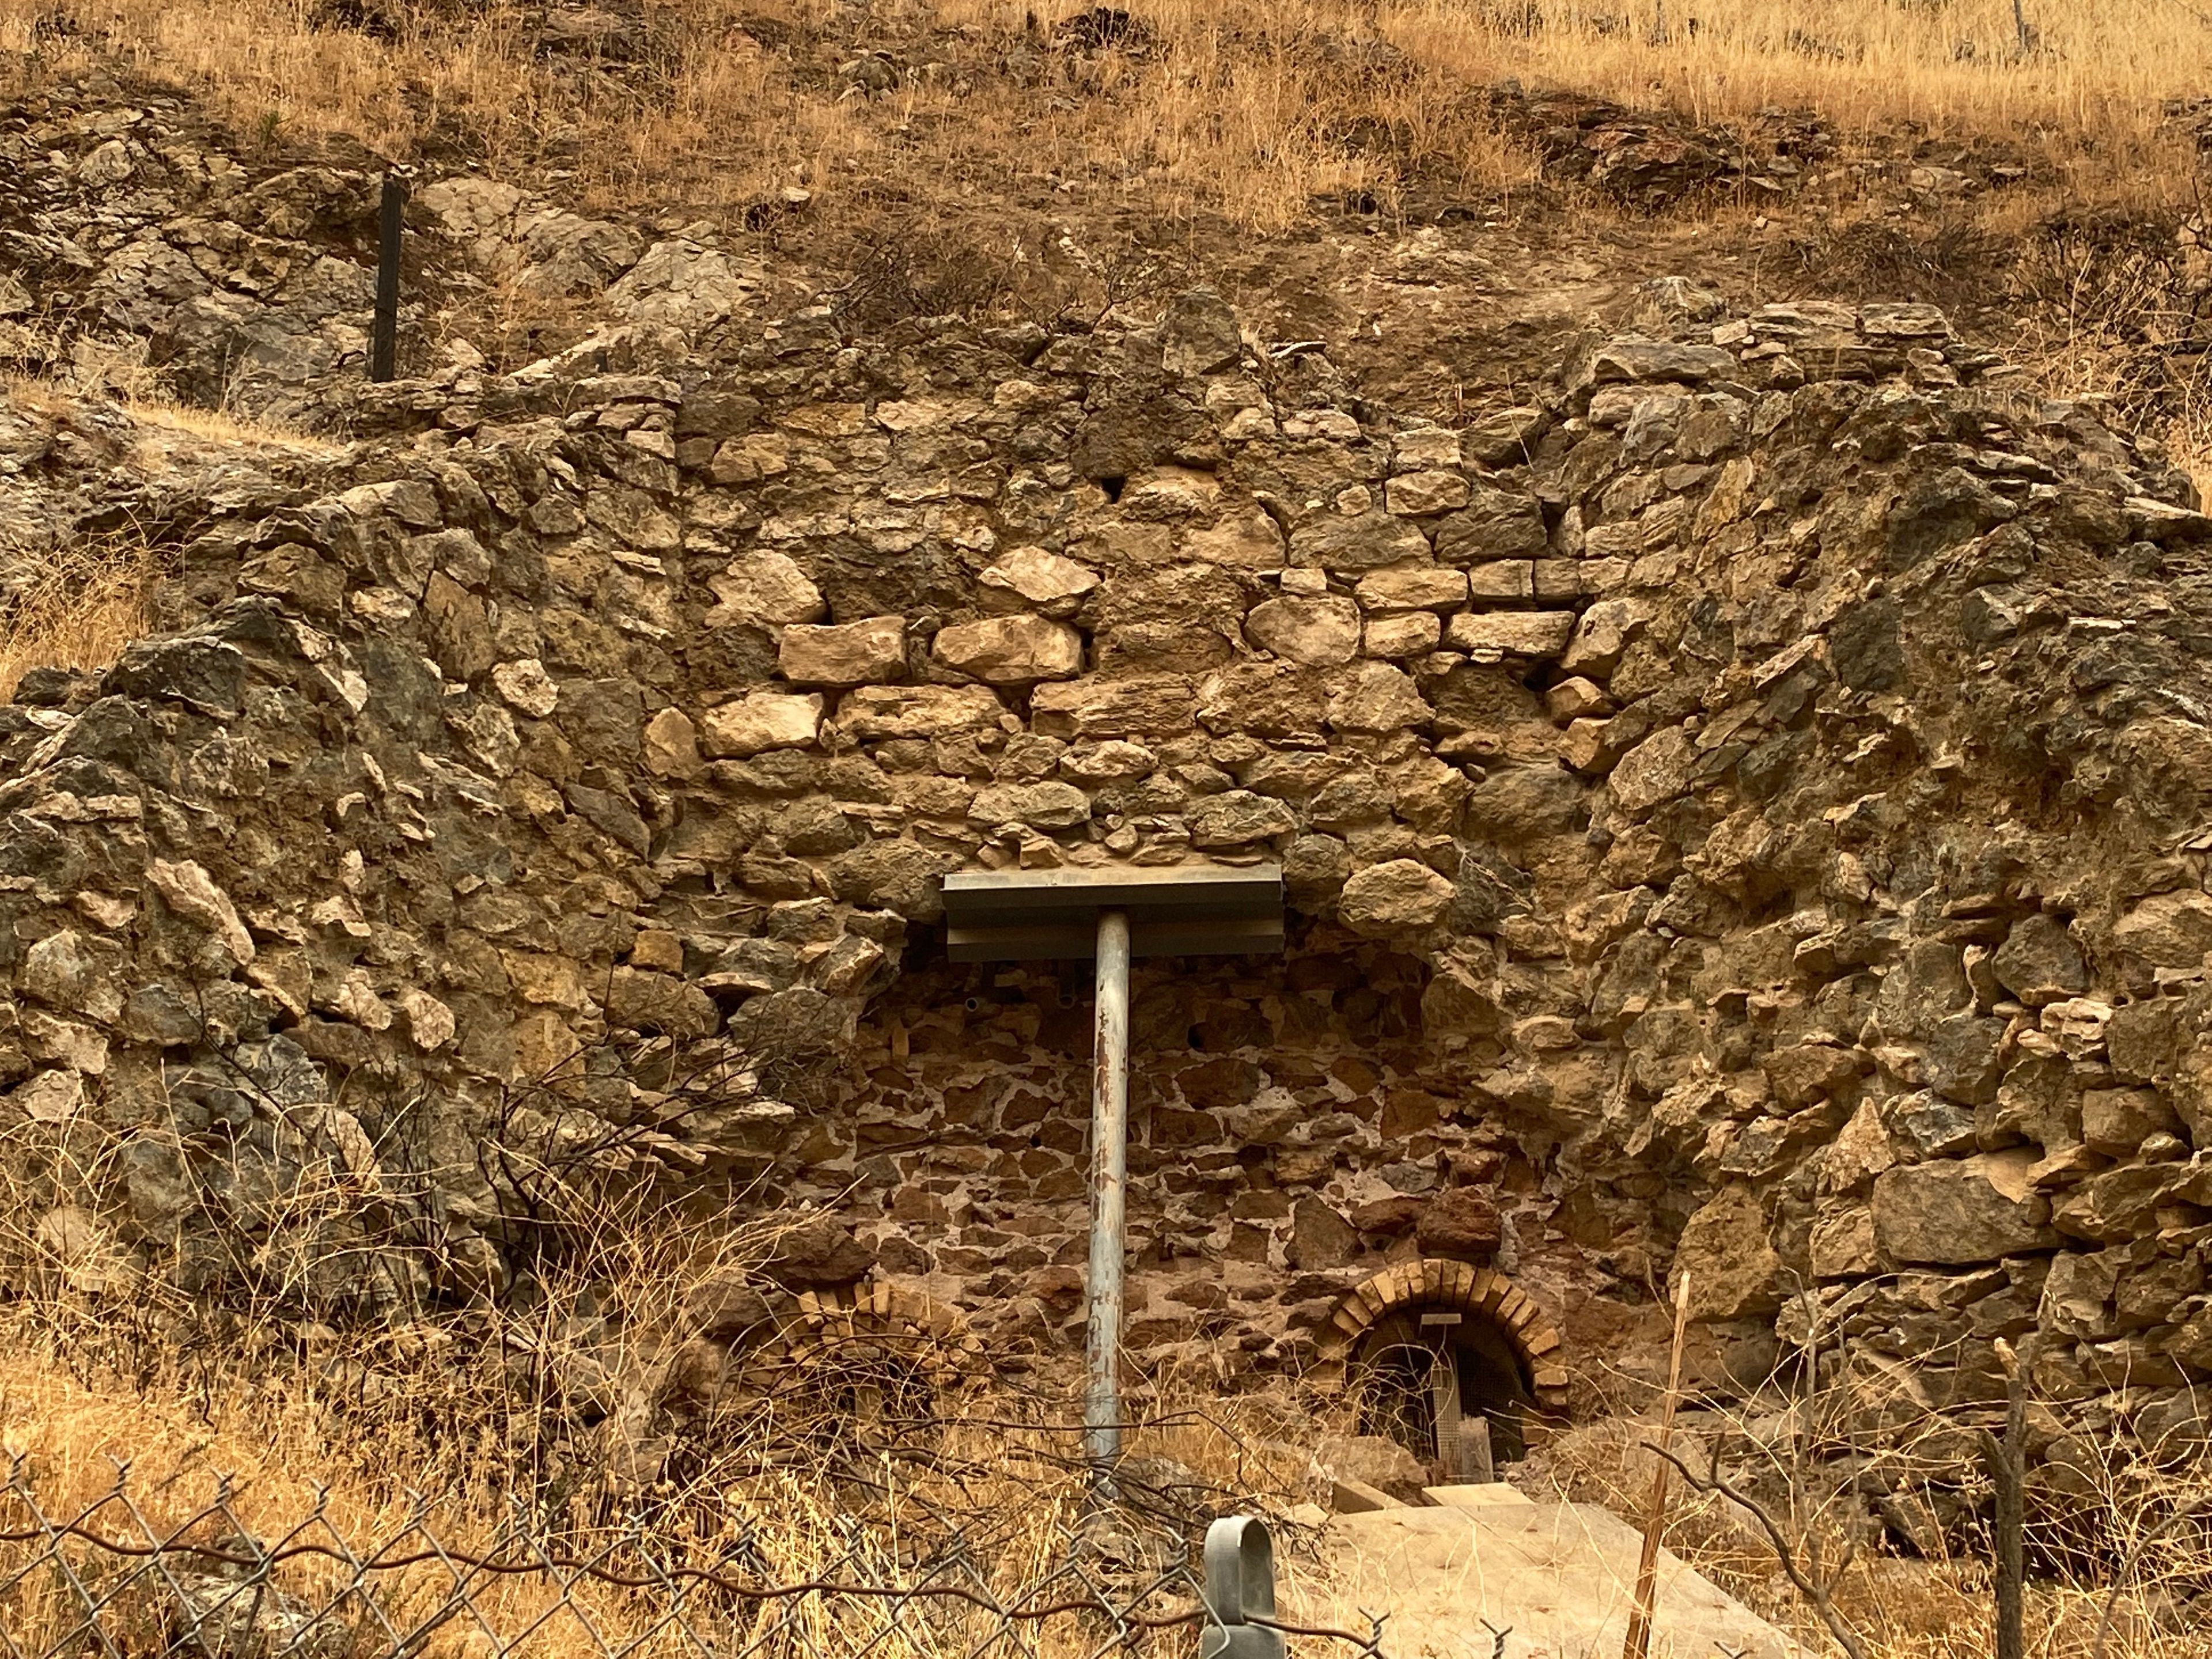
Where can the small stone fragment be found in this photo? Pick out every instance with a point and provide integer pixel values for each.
(187, 889)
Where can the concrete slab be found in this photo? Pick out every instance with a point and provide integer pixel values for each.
(1489, 1495)
(1561, 1577)
(1350, 1497)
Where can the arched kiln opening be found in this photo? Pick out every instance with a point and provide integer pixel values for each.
(871, 1352)
(1431, 1350)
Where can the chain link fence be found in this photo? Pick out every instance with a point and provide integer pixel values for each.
(111, 1578)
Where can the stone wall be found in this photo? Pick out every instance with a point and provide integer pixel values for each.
(1744, 808)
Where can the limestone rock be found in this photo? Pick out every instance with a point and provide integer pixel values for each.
(1960, 1212)
(1237, 817)
(1495, 524)
(1841, 1243)
(1029, 575)
(1413, 587)
(1354, 543)
(1801, 1073)
(844, 653)
(1010, 650)
(2117, 1121)
(876, 712)
(187, 889)
(2038, 964)
(1657, 769)
(764, 589)
(1200, 335)
(1535, 633)
(671, 745)
(1048, 805)
(1393, 638)
(1502, 438)
(1731, 1265)
(1502, 582)
(1318, 632)
(1392, 900)
(1144, 705)
(1248, 540)
(1625, 359)
(526, 687)
(893, 874)
(760, 721)
(1606, 630)
(2168, 930)
(1378, 697)
(1424, 494)
(430, 1023)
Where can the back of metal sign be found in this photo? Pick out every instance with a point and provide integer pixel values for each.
(1240, 1586)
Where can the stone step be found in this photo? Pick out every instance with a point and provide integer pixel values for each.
(1561, 1577)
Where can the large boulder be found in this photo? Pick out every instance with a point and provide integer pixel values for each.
(1728, 1258)
(1962, 1212)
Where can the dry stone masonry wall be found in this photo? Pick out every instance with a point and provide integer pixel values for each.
(1743, 810)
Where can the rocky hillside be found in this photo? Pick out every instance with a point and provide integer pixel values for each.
(1742, 807)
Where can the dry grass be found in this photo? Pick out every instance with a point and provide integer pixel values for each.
(1225, 106)
(76, 604)
(2113, 1566)
(87, 600)
(281, 1377)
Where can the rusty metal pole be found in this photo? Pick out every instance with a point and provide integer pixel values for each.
(384, 322)
(1109, 1186)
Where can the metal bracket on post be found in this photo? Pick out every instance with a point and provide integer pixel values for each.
(383, 325)
(1111, 914)
(1240, 1586)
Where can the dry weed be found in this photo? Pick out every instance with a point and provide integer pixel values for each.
(77, 604)
(85, 602)
(2115, 1558)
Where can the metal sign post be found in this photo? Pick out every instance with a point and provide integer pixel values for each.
(384, 326)
(1110, 1193)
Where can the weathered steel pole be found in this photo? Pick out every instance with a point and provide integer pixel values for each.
(1110, 1183)
(384, 326)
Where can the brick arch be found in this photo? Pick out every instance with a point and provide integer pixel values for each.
(1479, 1292)
(931, 1336)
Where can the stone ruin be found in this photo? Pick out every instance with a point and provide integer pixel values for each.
(1743, 810)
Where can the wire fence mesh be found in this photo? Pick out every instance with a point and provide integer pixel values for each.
(112, 1578)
